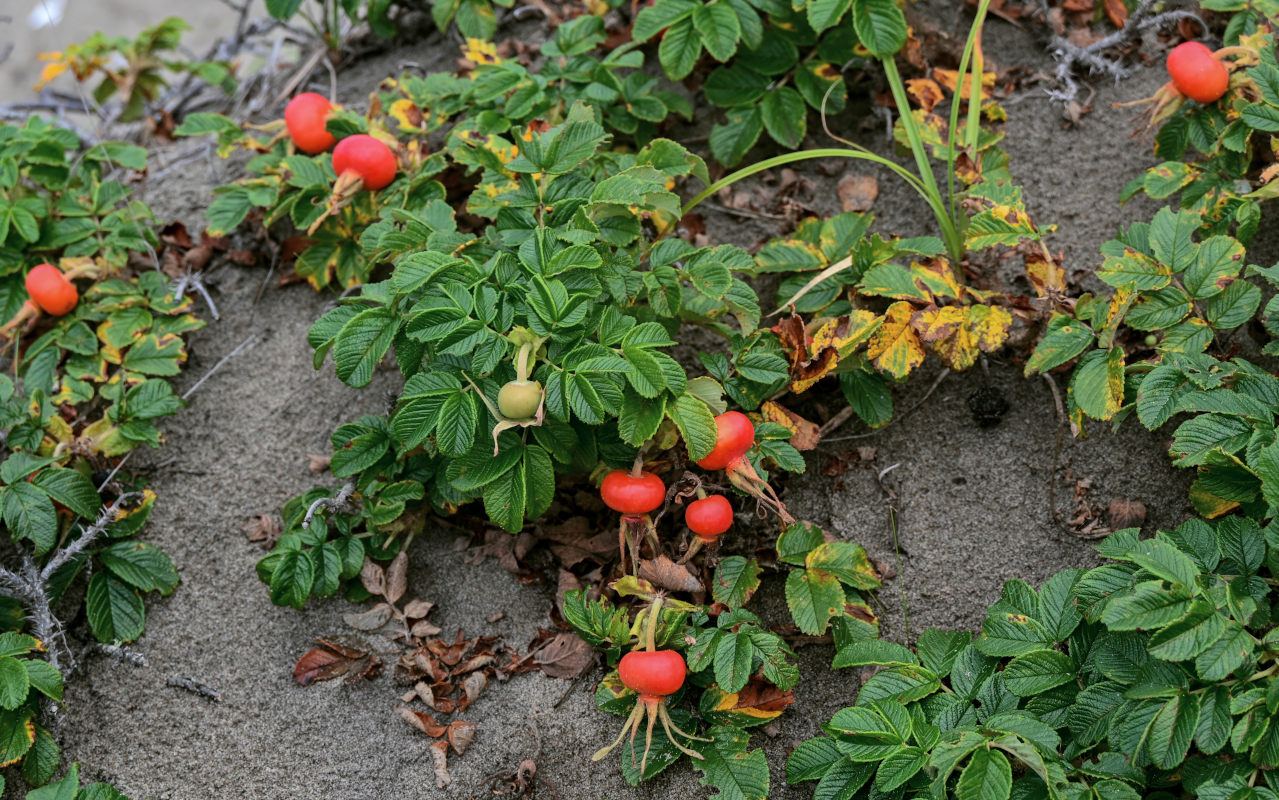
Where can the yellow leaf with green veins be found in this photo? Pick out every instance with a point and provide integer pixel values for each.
(989, 326)
(894, 347)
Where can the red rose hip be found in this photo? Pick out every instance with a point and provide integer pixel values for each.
(51, 290)
(304, 118)
(654, 674)
(366, 157)
(627, 494)
(1196, 74)
(709, 517)
(735, 435)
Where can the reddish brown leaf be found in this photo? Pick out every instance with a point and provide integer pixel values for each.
(564, 655)
(1118, 12)
(1125, 513)
(460, 735)
(423, 721)
(761, 694)
(439, 753)
(318, 664)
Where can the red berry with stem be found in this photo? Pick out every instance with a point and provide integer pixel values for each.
(304, 117)
(631, 494)
(652, 675)
(709, 517)
(366, 157)
(51, 290)
(735, 434)
(1196, 73)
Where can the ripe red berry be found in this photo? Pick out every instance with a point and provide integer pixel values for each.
(304, 118)
(1196, 74)
(627, 494)
(654, 674)
(51, 290)
(709, 516)
(367, 157)
(736, 435)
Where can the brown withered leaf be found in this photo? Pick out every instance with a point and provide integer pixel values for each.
(423, 721)
(805, 434)
(397, 577)
(760, 694)
(439, 754)
(806, 367)
(333, 660)
(667, 574)
(1117, 12)
(926, 93)
(418, 609)
(857, 192)
(460, 735)
(373, 577)
(263, 528)
(564, 655)
(370, 619)
(317, 464)
(423, 629)
(1125, 513)
(474, 684)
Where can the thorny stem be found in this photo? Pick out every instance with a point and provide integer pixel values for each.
(336, 504)
(30, 584)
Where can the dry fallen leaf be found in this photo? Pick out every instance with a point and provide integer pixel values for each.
(397, 577)
(263, 528)
(373, 578)
(1125, 513)
(857, 192)
(460, 735)
(371, 619)
(439, 752)
(423, 721)
(805, 434)
(564, 655)
(317, 464)
(668, 575)
(333, 660)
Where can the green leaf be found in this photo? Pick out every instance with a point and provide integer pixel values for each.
(734, 654)
(70, 488)
(44, 678)
(115, 610)
(292, 579)
(1188, 637)
(29, 514)
(1226, 654)
(938, 649)
(1195, 438)
(847, 561)
(680, 49)
(660, 15)
(1036, 672)
(1146, 605)
(727, 765)
(717, 24)
(696, 424)
(736, 579)
(785, 116)
(1159, 396)
(65, 789)
(14, 683)
(362, 344)
(874, 651)
(823, 14)
(455, 425)
(1064, 339)
(1170, 733)
(1220, 258)
(141, 565)
(900, 767)
(988, 776)
(797, 541)
(1171, 238)
(880, 25)
(732, 140)
(1097, 384)
(812, 759)
(813, 597)
(1164, 560)
(41, 761)
(505, 498)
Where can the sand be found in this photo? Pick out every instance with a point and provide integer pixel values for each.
(971, 511)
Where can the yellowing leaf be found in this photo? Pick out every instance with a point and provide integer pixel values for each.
(479, 51)
(949, 77)
(934, 324)
(989, 326)
(937, 277)
(894, 347)
(408, 114)
(1045, 274)
(804, 433)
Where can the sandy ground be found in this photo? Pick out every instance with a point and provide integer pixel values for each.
(972, 512)
(78, 19)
